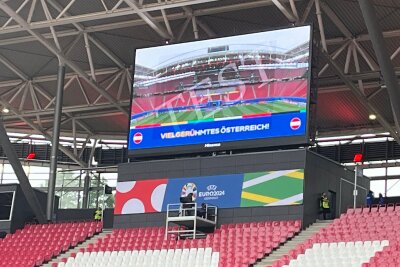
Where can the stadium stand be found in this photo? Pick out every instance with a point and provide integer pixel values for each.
(36, 244)
(231, 245)
(366, 237)
(297, 88)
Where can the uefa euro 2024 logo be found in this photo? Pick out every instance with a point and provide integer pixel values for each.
(211, 194)
(211, 187)
(189, 188)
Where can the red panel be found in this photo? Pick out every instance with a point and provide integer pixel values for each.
(139, 196)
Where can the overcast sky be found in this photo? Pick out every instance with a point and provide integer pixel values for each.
(272, 41)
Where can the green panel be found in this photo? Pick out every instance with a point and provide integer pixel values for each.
(250, 203)
(282, 187)
(253, 175)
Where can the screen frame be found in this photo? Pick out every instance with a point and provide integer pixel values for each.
(12, 205)
(300, 140)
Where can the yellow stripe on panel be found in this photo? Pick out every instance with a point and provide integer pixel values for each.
(297, 175)
(259, 198)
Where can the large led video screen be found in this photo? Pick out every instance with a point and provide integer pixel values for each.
(228, 93)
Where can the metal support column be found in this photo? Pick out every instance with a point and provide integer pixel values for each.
(20, 173)
(86, 184)
(355, 191)
(385, 63)
(86, 187)
(358, 174)
(55, 142)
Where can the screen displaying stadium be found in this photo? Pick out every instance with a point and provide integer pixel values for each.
(228, 93)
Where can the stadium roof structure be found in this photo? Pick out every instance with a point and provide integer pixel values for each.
(96, 40)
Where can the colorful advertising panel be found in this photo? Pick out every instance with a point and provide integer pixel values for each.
(272, 188)
(211, 94)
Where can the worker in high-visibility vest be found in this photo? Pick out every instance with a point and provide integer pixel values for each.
(324, 204)
(98, 214)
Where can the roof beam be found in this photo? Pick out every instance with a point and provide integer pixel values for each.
(347, 33)
(41, 131)
(28, 85)
(148, 19)
(285, 11)
(307, 11)
(166, 21)
(335, 19)
(70, 109)
(105, 14)
(362, 98)
(206, 28)
(93, 39)
(25, 185)
(387, 68)
(31, 87)
(13, 68)
(334, 56)
(59, 54)
(321, 25)
(135, 22)
(49, 78)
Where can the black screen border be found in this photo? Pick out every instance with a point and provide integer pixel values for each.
(300, 140)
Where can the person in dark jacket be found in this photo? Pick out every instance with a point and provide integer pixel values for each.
(370, 198)
(202, 211)
(381, 200)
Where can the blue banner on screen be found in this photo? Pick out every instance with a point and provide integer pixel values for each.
(224, 192)
(287, 124)
(215, 92)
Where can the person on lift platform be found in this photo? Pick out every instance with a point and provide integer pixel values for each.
(187, 203)
(202, 212)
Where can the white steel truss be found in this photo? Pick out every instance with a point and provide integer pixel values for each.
(159, 16)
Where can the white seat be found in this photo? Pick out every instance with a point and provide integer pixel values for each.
(207, 257)
(147, 258)
(161, 258)
(333, 245)
(358, 244)
(184, 262)
(176, 260)
(367, 243)
(133, 257)
(324, 245)
(154, 258)
(199, 257)
(214, 259)
(140, 258)
(385, 243)
(308, 252)
(192, 255)
(376, 243)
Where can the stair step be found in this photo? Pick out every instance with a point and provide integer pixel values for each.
(84, 244)
(293, 243)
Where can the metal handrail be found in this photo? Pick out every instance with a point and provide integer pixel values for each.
(190, 210)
